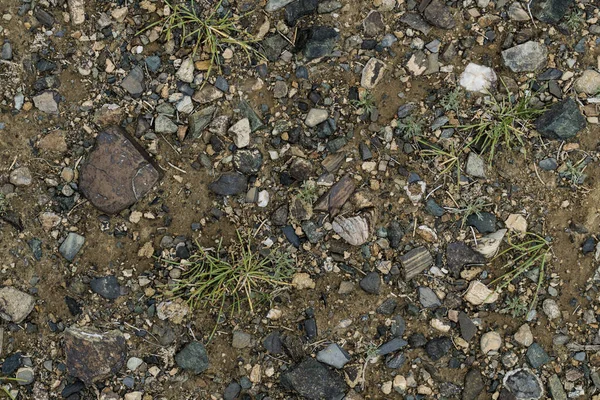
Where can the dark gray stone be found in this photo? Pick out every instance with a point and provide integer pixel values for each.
(459, 255)
(272, 343)
(229, 184)
(247, 161)
(537, 356)
(387, 307)
(392, 346)
(548, 164)
(550, 11)
(398, 326)
(428, 298)
(71, 245)
(438, 347)
(439, 14)
(467, 328)
(434, 208)
(562, 121)
(273, 46)
(6, 53)
(371, 283)
(484, 222)
(317, 41)
(311, 230)
(415, 21)
(193, 357)
(298, 9)
(474, 384)
(395, 361)
(106, 286)
(313, 381)
(523, 384)
(232, 391)
(134, 82)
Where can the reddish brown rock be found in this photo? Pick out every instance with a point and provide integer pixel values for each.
(92, 356)
(118, 172)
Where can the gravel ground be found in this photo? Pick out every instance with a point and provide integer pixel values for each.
(418, 181)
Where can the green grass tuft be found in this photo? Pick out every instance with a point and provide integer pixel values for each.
(515, 306)
(209, 33)
(411, 128)
(447, 160)
(238, 276)
(529, 253)
(503, 122)
(474, 207)
(365, 103)
(309, 192)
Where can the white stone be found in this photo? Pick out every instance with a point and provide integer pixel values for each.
(372, 73)
(15, 305)
(354, 230)
(490, 341)
(440, 325)
(523, 336)
(551, 309)
(133, 363)
(517, 223)
(478, 78)
(241, 133)
(185, 73)
(478, 294)
(489, 244)
(263, 198)
(315, 117)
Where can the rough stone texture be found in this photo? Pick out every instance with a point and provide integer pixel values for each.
(193, 357)
(314, 381)
(439, 14)
(474, 385)
(523, 384)
(525, 57)
(117, 173)
(92, 356)
(15, 305)
(588, 82)
(562, 121)
(550, 11)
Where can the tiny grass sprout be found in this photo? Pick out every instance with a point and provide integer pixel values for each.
(503, 123)
(474, 207)
(574, 172)
(446, 160)
(411, 128)
(366, 102)
(309, 192)
(451, 101)
(574, 20)
(206, 32)
(515, 306)
(532, 251)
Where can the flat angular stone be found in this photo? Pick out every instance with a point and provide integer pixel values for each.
(313, 381)
(92, 356)
(15, 305)
(193, 357)
(562, 121)
(71, 245)
(334, 355)
(525, 57)
(118, 172)
(372, 73)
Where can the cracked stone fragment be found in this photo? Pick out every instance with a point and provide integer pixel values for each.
(354, 230)
(92, 356)
(372, 73)
(117, 173)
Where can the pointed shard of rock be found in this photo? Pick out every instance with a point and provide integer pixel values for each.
(488, 245)
(207, 94)
(372, 73)
(118, 172)
(92, 356)
(134, 82)
(550, 11)
(562, 121)
(526, 57)
(437, 13)
(415, 261)
(337, 196)
(417, 22)
(77, 11)
(255, 122)
(354, 230)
